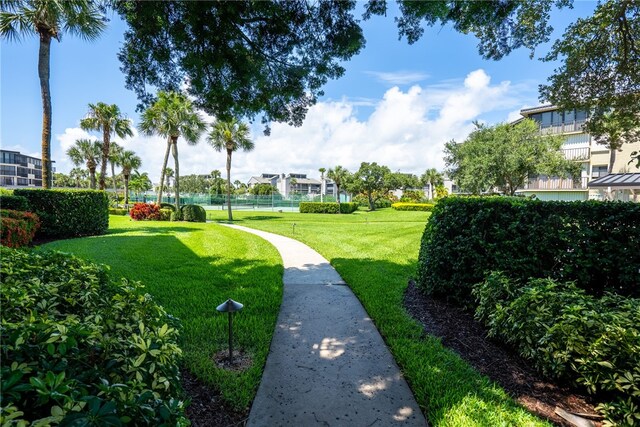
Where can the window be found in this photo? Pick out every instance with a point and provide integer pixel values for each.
(5, 180)
(8, 170)
(581, 116)
(569, 117)
(599, 171)
(546, 119)
(24, 172)
(23, 181)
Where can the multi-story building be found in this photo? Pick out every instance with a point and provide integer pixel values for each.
(19, 170)
(294, 183)
(578, 146)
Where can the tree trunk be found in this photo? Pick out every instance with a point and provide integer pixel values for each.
(164, 167)
(115, 187)
(43, 73)
(92, 176)
(372, 205)
(174, 145)
(126, 189)
(338, 196)
(106, 135)
(612, 159)
(229, 152)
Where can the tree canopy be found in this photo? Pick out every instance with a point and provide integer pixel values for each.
(239, 58)
(504, 156)
(375, 181)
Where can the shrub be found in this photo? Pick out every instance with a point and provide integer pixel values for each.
(363, 201)
(118, 211)
(176, 216)
(348, 207)
(412, 196)
(5, 192)
(328, 207)
(568, 334)
(193, 213)
(18, 228)
(168, 206)
(401, 206)
(15, 203)
(585, 242)
(145, 212)
(81, 349)
(165, 214)
(69, 213)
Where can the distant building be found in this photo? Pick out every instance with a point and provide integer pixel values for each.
(20, 170)
(294, 183)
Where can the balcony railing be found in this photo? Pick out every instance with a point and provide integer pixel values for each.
(575, 126)
(554, 183)
(576, 153)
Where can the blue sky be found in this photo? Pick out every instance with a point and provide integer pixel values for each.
(397, 104)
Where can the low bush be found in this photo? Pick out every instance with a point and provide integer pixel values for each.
(383, 202)
(412, 196)
(328, 207)
(402, 206)
(69, 213)
(193, 213)
(168, 206)
(584, 242)
(176, 216)
(14, 203)
(568, 334)
(82, 349)
(118, 211)
(165, 214)
(18, 228)
(145, 212)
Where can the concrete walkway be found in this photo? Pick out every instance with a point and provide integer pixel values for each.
(327, 365)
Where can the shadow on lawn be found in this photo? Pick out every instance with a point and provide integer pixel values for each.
(154, 230)
(441, 381)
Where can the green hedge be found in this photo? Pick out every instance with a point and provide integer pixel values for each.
(81, 349)
(591, 243)
(14, 203)
(69, 213)
(328, 207)
(118, 211)
(406, 206)
(570, 335)
(193, 213)
(168, 206)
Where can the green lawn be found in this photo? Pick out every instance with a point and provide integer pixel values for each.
(189, 269)
(376, 253)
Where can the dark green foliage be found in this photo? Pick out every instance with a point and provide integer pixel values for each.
(193, 213)
(590, 243)
(570, 335)
(118, 211)
(328, 207)
(402, 206)
(363, 201)
(69, 213)
(263, 190)
(168, 205)
(14, 203)
(71, 335)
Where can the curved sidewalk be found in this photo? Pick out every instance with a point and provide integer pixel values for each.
(327, 365)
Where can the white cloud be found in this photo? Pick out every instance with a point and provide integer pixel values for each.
(398, 77)
(406, 131)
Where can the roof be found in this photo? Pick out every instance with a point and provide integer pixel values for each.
(307, 181)
(260, 180)
(539, 109)
(625, 180)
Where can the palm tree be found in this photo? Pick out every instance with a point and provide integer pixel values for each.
(140, 182)
(322, 171)
(294, 185)
(173, 115)
(88, 152)
(78, 175)
(168, 174)
(339, 176)
(230, 135)
(109, 120)
(115, 151)
(49, 19)
(128, 161)
(431, 178)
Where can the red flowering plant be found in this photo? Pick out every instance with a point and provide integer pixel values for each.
(18, 228)
(145, 211)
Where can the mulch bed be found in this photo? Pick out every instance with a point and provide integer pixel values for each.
(460, 332)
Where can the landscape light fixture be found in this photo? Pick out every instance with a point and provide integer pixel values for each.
(230, 306)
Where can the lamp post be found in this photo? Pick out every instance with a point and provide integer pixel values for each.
(230, 306)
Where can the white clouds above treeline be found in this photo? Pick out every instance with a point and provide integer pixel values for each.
(406, 131)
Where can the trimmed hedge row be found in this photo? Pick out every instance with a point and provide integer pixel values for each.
(567, 334)
(81, 349)
(18, 228)
(118, 211)
(193, 213)
(15, 203)
(69, 213)
(592, 243)
(406, 206)
(328, 207)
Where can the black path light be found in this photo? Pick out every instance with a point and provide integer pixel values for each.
(230, 306)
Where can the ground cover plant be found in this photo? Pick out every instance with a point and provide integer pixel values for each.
(376, 253)
(190, 268)
(80, 348)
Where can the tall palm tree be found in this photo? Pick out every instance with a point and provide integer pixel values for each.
(78, 175)
(168, 173)
(230, 135)
(173, 115)
(49, 19)
(115, 151)
(339, 176)
(432, 178)
(109, 120)
(88, 152)
(128, 161)
(322, 171)
(140, 182)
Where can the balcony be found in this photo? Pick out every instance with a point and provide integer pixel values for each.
(555, 129)
(555, 183)
(576, 153)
